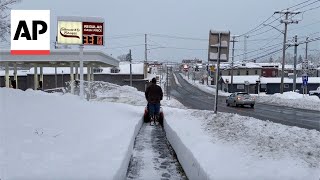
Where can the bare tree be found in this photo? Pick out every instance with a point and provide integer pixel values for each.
(123, 57)
(5, 18)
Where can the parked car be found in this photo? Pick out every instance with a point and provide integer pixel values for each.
(315, 92)
(240, 98)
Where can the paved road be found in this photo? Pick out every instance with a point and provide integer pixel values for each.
(194, 98)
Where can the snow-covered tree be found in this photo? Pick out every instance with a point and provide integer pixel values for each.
(300, 59)
(123, 57)
(271, 59)
(5, 18)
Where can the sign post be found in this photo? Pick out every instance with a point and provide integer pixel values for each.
(305, 83)
(218, 52)
(80, 31)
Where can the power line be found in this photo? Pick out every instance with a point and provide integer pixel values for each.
(254, 29)
(124, 36)
(297, 4)
(258, 34)
(306, 5)
(124, 46)
(311, 9)
(180, 48)
(178, 37)
(260, 49)
(305, 26)
(258, 27)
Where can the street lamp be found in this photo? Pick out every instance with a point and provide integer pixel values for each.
(274, 28)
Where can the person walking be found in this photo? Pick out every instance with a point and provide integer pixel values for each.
(154, 95)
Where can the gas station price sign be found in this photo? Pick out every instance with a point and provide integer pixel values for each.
(92, 33)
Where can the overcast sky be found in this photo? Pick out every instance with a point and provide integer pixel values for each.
(185, 18)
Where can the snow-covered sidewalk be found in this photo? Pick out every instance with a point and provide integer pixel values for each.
(51, 136)
(230, 146)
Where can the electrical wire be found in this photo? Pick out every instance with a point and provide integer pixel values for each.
(177, 37)
(307, 5)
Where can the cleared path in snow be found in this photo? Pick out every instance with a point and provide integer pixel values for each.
(153, 157)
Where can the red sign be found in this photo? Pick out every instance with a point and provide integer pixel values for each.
(92, 33)
(93, 28)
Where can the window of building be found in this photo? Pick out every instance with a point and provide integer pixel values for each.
(229, 73)
(247, 72)
(256, 72)
(115, 70)
(97, 70)
(240, 86)
(238, 72)
(286, 85)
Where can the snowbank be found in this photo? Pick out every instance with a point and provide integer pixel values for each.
(107, 92)
(292, 99)
(203, 87)
(230, 146)
(52, 136)
(176, 80)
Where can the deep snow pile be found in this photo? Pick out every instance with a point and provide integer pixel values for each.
(127, 94)
(230, 146)
(53, 136)
(292, 99)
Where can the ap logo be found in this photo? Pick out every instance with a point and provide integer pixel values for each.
(30, 32)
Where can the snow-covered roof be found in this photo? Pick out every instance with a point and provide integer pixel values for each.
(248, 65)
(63, 57)
(137, 68)
(241, 79)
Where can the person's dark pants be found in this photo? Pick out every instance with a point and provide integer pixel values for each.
(154, 109)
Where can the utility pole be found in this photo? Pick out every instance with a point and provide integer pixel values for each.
(306, 65)
(217, 77)
(245, 48)
(306, 55)
(130, 58)
(295, 63)
(232, 62)
(286, 21)
(55, 68)
(145, 48)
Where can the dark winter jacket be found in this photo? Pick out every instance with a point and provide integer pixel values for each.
(154, 94)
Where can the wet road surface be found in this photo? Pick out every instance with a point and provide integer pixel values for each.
(194, 98)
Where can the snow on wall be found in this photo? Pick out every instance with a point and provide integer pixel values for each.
(122, 172)
(188, 162)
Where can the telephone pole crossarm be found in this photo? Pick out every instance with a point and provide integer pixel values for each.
(286, 21)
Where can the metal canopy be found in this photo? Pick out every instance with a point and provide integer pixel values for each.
(60, 58)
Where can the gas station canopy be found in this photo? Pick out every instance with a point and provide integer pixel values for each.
(60, 58)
